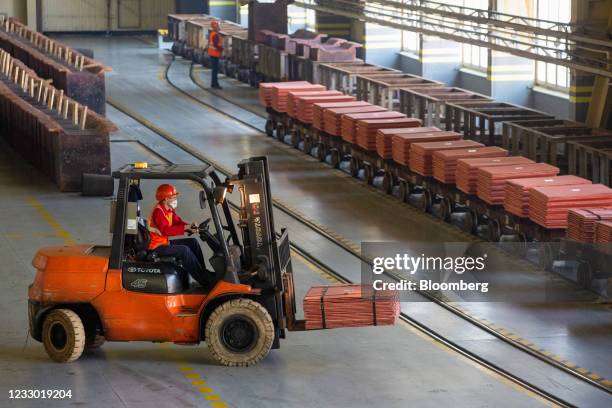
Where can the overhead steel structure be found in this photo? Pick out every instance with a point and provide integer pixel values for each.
(571, 45)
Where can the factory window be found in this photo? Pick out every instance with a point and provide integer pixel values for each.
(411, 41)
(474, 56)
(547, 74)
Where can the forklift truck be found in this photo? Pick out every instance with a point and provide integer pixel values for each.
(85, 294)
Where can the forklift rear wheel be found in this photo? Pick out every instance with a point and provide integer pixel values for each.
(63, 335)
(239, 333)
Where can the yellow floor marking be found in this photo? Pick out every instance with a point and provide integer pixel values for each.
(192, 375)
(205, 389)
(218, 404)
(53, 223)
(183, 366)
(162, 73)
(350, 244)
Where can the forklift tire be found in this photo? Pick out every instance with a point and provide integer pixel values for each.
(239, 333)
(63, 335)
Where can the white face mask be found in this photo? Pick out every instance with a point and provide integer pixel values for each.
(173, 203)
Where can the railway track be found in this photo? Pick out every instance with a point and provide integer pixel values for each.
(333, 273)
(343, 246)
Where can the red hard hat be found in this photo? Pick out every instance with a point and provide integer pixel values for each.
(165, 191)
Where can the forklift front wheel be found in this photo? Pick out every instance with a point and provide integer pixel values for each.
(63, 335)
(239, 333)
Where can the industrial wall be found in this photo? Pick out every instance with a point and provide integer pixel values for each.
(14, 8)
(103, 15)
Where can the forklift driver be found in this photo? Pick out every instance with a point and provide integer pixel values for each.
(166, 223)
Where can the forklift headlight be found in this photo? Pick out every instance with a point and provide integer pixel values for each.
(220, 193)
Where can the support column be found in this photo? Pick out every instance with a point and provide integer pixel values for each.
(192, 7)
(267, 16)
(224, 9)
(588, 92)
(334, 26)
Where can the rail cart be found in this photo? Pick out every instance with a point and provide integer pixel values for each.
(429, 104)
(482, 121)
(344, 77)
(383, 89)
(592, 159)
(546, 140)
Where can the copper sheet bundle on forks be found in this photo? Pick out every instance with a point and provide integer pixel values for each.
(349, 305)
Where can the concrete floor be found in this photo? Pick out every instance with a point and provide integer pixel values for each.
(329, 197)
(397, 366)
(387, 366)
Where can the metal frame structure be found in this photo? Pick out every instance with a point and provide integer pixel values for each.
(521, 36)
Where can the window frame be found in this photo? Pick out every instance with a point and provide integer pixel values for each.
(544, 67)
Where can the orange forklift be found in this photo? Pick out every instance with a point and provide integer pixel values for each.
(83, 295)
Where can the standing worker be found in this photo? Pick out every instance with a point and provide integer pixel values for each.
(215, 49)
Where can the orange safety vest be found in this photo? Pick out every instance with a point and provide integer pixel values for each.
(212, 51)
(157, 238)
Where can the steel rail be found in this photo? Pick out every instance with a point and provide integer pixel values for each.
(325, 234)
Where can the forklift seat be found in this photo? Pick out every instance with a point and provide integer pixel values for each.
(141, 246)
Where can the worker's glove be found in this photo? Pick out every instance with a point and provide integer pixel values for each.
(193, 229)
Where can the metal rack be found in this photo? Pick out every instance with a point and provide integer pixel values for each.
(516, 35)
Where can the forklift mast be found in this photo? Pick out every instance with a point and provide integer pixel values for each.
(266, 252)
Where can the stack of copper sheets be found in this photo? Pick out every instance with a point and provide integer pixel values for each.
(292, 99)
(421, 154)
(491, 184)
(384, 138)
(445, 161)
(329, 307)
(349, 122)
(278, 101)
(366, 129)
(304, 105)
(516, 200)
(332, 118)
(266, 90)
(581, 222)
(401, 142)
(603, 234)
(467, 170)
(548, 206)
(319, 108)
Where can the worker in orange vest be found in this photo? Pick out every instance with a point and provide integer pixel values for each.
(165, 223)
(215, 49)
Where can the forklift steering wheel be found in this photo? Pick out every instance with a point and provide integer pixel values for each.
(209, 238)
(204, 226)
